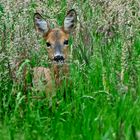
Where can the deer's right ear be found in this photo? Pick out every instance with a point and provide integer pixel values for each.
(41, 24)
(70, 21)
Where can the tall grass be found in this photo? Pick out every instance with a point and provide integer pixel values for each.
(103, 101)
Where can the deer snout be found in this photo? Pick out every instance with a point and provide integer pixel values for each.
(58, 55)
(58, 58)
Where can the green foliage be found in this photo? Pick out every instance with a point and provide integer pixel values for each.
(103, 100)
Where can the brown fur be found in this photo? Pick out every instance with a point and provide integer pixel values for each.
(52, 78)
(56, 35)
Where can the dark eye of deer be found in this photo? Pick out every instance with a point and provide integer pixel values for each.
(66, 42)
(48, 44)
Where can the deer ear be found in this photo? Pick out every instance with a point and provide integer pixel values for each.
(41, 24)
(70, 21)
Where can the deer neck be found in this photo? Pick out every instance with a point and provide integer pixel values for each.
(60, 73)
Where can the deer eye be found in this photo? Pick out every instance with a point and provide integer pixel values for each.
(48, 44)
(66, 42)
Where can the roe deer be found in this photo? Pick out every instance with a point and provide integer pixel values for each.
(57, 48)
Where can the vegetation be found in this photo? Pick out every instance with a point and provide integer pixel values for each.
(104, 68)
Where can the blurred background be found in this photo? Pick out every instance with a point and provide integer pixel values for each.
(105, 70)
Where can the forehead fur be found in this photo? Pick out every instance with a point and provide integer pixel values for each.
(56, 34)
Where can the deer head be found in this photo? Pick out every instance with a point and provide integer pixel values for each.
(57, 39)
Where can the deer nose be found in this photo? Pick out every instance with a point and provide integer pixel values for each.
(58, 58)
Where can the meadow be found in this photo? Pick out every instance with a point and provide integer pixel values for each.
(103, 102)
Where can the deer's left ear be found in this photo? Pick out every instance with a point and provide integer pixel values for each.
(70, 21)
